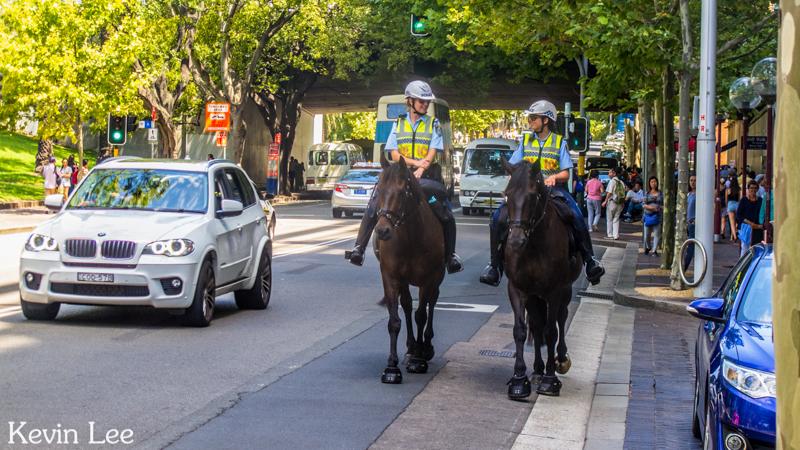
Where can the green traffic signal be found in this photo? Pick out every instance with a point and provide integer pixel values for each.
(419, 26)
(117, 130)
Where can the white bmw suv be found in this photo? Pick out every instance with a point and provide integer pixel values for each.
(161, 233)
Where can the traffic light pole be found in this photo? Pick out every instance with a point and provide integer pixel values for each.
(567, 116)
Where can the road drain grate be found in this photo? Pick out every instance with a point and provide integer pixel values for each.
(498, 354)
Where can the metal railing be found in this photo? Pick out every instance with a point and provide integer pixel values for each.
(699, 279)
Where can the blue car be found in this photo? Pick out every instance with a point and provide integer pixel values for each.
(734, 394)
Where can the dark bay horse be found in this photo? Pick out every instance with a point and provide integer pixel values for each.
(410, 248)
(541, 267)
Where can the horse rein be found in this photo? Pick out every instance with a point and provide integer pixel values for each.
(528, 226)
(394, 218)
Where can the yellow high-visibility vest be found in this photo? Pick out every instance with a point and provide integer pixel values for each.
(551, 152)
(413, 143)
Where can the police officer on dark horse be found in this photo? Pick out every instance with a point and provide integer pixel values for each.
(551, 149)
(416, 138)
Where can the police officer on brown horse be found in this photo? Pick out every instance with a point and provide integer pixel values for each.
(416, 138)
(550, 149)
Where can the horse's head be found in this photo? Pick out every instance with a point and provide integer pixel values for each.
(526, 198)
(397, 193)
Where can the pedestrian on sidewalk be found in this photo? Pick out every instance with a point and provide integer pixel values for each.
(732, 193)
(83, 170)
(73, 178)
(691, 202)
(653, 205)
(65, 174)
(594, 195)
(50, 175)
(615, 197)
(747, 213)
(292, 174)
(633, 202)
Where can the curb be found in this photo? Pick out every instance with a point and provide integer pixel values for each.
(626, 295)
(16, 230)
(21, 204)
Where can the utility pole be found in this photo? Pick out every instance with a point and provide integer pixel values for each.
(706, 177)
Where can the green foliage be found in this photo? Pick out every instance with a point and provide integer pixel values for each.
(17, 156)
(470, 121)
(345, 126)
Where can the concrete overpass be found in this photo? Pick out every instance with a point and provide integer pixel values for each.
(333, 96)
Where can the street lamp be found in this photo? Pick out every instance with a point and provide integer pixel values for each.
(744, 98)
(764, 79)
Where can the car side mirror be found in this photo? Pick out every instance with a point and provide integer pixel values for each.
(712, 309)
(230, 208)
(55, 201)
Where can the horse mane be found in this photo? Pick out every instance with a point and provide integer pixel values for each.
(394, 172)
(519, 176)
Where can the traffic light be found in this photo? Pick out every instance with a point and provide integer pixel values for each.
(419, 26)
(117, 130)
(578, 132)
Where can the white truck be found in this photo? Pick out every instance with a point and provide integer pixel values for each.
(483, 178)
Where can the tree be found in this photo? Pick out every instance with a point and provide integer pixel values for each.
(343, 126)
(65, 64)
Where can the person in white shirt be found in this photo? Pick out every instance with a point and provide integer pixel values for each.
(634, 200)
(615, 199)
(65, 173)
(49, 175)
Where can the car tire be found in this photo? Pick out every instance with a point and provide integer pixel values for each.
(258, 296)
(200, 312)
(337, 213)
(696, 431)
(348, 213)
(39, 311)
(466, 211)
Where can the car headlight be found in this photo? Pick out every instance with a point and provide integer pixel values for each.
(169, 247)
(40, 242)
(750, 382)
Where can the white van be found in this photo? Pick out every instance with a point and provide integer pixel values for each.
(483, 178)
(328, 162)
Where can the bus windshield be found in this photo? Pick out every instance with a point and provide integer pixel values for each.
(486, 161)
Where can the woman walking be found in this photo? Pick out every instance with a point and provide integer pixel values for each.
(747, 214)
(594, 194)
(653, 205)
(732, 193)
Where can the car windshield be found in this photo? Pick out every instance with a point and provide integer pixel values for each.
(757, 301)
(362, 176)
(486, 161)
(143, 189)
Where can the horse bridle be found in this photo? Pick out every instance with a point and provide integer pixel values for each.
(394, 218)
(527, 226)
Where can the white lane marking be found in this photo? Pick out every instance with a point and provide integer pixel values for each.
(308, 248)
(463, 307)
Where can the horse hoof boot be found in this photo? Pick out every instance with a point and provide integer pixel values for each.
(392, 375)
(519, 388)
(417, 365)
(550, 385)
(536, 379)
(562, 367)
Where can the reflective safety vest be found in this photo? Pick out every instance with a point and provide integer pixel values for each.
(551, 152)
(414, 143)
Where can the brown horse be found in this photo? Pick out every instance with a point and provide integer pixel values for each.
(410, 248)
(541, 268)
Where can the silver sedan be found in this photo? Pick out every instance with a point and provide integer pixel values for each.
(353, 191)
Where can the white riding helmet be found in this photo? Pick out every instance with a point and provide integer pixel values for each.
(419, 90)
(542, 108)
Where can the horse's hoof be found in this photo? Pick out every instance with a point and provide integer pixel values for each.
(519, 388)
(562, 367)
(416, 365)
(428, 352)
(392, 375)
(536, 379)
(550, 385)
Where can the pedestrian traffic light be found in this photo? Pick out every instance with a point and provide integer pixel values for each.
(117, 130)
(579, 134)
(419, 26)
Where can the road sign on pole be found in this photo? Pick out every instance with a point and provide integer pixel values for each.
(218, 116)
(152, 134)
(221, 139)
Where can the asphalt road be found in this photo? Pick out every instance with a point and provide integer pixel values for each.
(302, 374)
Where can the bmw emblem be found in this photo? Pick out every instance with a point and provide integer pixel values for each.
(100, 234)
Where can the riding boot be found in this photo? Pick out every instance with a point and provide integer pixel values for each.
(443, 213)
(368, 222)
(584, 242)
(493, 272)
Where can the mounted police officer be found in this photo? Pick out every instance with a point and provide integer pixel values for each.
(415, 137)
(555, 164)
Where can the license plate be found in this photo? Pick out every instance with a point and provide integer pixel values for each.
(361, 192)
(96, 277)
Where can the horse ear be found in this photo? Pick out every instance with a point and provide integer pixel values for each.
(509, 168)
(402, 164)
(384, 161)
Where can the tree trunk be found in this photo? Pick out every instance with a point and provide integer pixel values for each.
(657, 162)
(44, 152)
(683, 177)
(79, 139)
(786, 268)
(668, 180)
(288, 127)
(235, 147)
(169, 137)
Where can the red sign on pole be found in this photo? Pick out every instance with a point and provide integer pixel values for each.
(221, 139)
(218, 116)
(153, 114)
